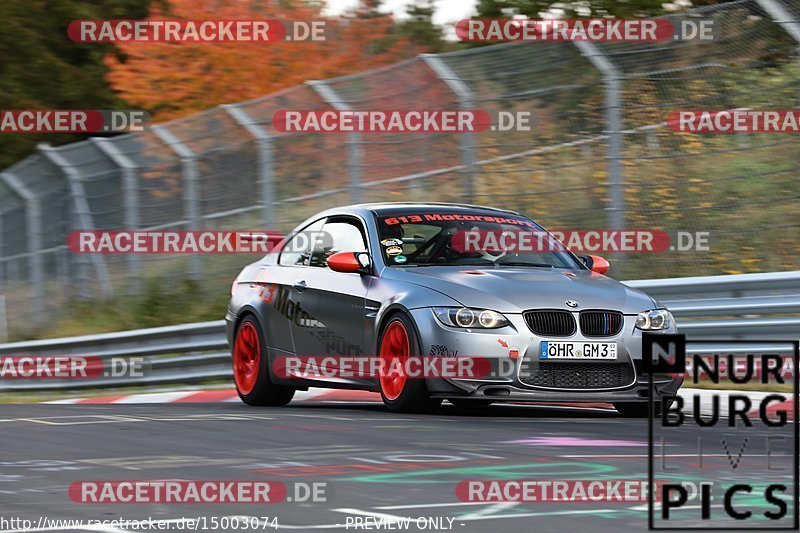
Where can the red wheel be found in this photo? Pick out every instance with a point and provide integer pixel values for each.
(395, 351)
(251, 367)
(398, 343)
(246, 358)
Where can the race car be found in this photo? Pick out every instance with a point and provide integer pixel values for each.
(447, 283)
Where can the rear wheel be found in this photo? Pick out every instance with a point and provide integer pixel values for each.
(251, 368)
(398, 343)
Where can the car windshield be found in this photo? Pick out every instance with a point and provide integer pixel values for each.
(486, 239)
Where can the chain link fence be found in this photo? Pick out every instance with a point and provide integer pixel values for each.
(599, 156)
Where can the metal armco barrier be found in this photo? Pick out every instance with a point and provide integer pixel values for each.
(597, 132)
(736, 307)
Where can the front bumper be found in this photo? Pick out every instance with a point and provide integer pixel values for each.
(516, 348)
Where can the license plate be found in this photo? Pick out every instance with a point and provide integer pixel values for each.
(578, 350)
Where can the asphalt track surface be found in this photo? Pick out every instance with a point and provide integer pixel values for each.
(374, 463)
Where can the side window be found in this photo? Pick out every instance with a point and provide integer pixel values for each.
(338, 236)
(298, 250)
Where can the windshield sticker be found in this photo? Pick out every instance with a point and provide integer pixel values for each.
(400, 259)
(392, 242)
(439, 217)
(394, 250)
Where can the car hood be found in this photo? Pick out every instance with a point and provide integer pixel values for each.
(513, 290)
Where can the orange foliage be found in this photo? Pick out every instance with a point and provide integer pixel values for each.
(176, 79)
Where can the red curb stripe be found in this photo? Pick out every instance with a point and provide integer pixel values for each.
(208, 396)
(100, 400)
(788, 406)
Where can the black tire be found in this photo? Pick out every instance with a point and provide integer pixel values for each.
(638, 409)
(464, 403)
(414, 397)
(264, 391)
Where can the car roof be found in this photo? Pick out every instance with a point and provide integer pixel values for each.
(365, 210)
(383, 207)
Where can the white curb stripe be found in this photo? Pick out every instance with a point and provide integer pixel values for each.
(156, 397)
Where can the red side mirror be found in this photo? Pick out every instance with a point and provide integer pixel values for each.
(348, 262)
(343, 262)
(599, 264)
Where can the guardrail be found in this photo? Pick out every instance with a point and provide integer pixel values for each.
(736, 307)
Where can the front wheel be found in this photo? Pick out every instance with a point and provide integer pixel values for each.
(398, 343)
(251, 368)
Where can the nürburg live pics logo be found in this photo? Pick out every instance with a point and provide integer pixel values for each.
(725, 450)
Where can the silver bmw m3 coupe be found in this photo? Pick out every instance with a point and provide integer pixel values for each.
(358, 286)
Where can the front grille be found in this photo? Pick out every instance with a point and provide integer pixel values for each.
(600, 323)
(550, 323)
(576, 375)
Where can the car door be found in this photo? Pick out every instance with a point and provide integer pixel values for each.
(335, 300)
(288, 300)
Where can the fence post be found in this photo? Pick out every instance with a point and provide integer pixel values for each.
(82, 211)
(130, 196)
(466, 101)
(782, 17)
(354, 152)
(33, 219)
(191, 198)
(266, 160)
(611, 78)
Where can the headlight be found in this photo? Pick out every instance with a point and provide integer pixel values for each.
(654, 319)
(465, 317)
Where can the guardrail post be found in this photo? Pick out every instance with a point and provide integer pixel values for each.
(354, 151)
(266, 160)
(2, 262)
(466, 101)
(82, 211)
(612, 78)
(3, 319)
(33, 219)
(191, 199)
(130, 197)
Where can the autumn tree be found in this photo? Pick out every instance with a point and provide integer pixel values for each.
(42, 69)
(420, 28)
(176, 79)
